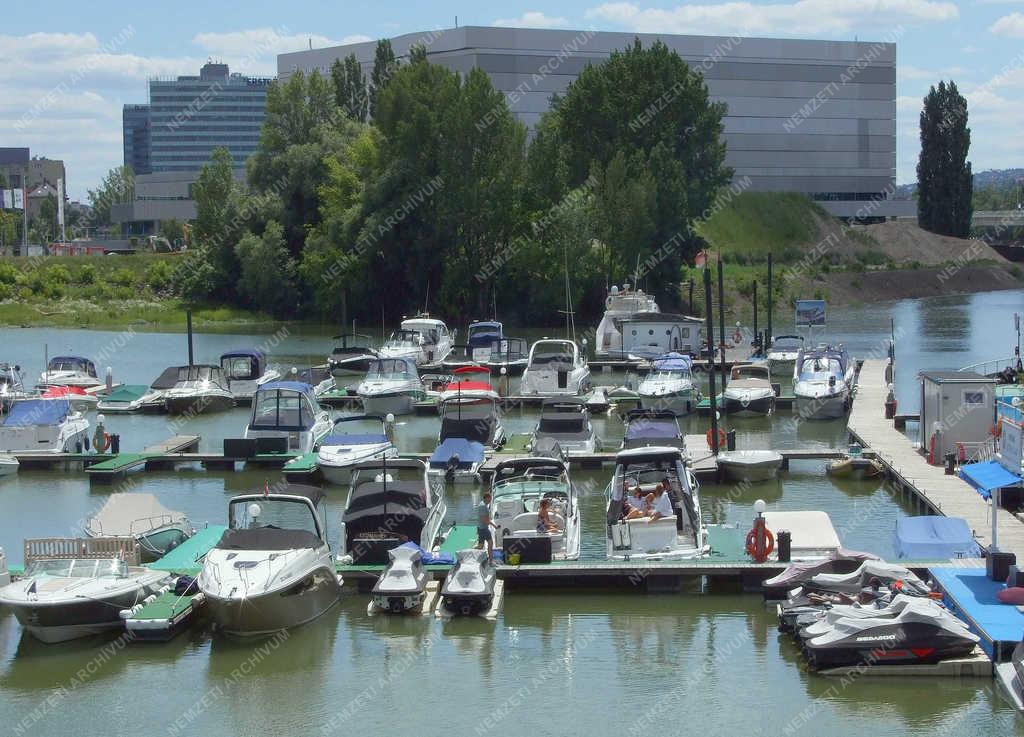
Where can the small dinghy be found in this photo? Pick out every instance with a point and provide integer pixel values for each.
(750, 465)
(469, 588)
(855, 465)
(141, 517)
(401, 586)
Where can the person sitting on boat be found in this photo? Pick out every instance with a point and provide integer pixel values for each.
(661, 503)
(638, 504)
(545, 525)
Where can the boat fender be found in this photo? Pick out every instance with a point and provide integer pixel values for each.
(710, 437)
(752, 547)
(101, 440)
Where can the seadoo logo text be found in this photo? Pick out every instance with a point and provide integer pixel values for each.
(876, 638)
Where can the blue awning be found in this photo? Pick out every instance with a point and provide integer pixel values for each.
(985, 477)
(468, 451)
(29, 412)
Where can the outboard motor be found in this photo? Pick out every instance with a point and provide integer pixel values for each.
(449, 472)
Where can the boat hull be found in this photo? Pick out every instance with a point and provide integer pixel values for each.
(830, 407)
(276, 610)
(678, 404)
(753, 471)
(59, 622)
(195, 405)
(754, 407)
(383, 404)
(335, 472)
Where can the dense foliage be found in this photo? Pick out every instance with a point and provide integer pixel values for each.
(944, 182)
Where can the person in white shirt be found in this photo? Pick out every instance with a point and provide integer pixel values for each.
(662, 504)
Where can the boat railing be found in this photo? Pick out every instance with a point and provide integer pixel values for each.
(66, 548)
(978, 452)
(993, 366)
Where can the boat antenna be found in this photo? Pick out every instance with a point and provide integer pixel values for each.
(426, 300)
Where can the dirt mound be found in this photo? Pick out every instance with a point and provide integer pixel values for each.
(903, 242)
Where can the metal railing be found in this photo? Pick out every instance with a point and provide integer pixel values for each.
(992, 366)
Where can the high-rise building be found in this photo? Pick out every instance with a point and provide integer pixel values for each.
(135, 124)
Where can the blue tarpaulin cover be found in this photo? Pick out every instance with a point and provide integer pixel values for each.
(934, 537)
(431, 559)
(367, 439)
(988, 476)
(652, 428)
(30, 412)
(468, 451)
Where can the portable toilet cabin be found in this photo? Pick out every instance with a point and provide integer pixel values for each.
(958, 412)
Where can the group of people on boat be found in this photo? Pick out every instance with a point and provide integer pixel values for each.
(652, 506)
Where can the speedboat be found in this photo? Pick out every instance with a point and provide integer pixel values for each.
(469, 409)
(44, 425)
(340, 451)
(517, 490)
(391, 386)
(566, 422)
(81, 400)
(481, 339)
(70, 371)
(390, 502)
(272, 569)
(646, 428)
(669, 385)
(200, 388)
(142, 398)
(750, 465)
(782, 354)
(425, 340)
(62, 599)
(469, 586)
(246, 371)
(510, 354)
(141, 517)
(457, 460)
(749, 392)
(403, 582)
(679, 537)
(922, 632)
(288, 409)
(352, 356)
(556, 368)
(618, 304)
(12, 385)
(822, 382)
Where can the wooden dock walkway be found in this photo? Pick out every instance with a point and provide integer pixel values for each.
(116, 465)
(945, 494)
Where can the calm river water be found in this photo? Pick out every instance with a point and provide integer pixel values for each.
(586, 663)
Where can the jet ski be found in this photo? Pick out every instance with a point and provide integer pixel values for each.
(819, 622)
(402, 583)
(469, 587)
(843, 561)
(923, 632)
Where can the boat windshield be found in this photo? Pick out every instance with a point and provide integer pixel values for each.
(404, 339)
(820, 368)
(512, 349)
(787, 344)
(552, 353)
(279, 409)
(669, 375)
(80, 365)
(389, 368)
(78, 568)
(270, 513)
(240, 367)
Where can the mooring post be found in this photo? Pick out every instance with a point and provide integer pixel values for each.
(188, 319)
(721, 316)
(711, 358)
(771, 303)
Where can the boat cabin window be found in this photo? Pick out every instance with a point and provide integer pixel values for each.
(78, 568)
(270, 513)
(240, 367)
(281, 410)
(73, 364)
(389, 368)
(552, 353)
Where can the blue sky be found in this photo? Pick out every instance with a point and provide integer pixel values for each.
(66, 71)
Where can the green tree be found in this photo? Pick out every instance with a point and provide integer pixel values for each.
(384, 65)
(172, 230)
(267, 278)
(944, 180)
(117, 186)
(350, 89)
(219, 220)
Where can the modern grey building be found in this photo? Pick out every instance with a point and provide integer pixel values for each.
(817, 117)
(135, 127)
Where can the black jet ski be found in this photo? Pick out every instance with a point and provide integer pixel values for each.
(922, 633)
(403, 581)
(813, 624)
(469, 587)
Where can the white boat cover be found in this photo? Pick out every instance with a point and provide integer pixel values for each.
(130, 514)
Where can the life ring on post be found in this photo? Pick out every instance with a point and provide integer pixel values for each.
(101, 441)
(769, 545)
(710, 437)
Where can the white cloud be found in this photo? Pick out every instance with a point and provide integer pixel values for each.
(1010, 26)
(254, 51)
(802, 17)
(533, 19)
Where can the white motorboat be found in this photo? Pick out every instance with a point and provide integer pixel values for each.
(8, 465)
(272, 569)
(669, 386)
(341, 451)
(482, 339)
(566, 422)
(510, 354)
(676, 537)
(142, 398)
(749, 392)
(822, 383)
(141, 517)
(79, 398)
(70, 371)
(12, 385)
(618, 304)
(289, 410)
(246, 370)
(391, 386)
(556, 368)
(44, 425)
(351, 356)
(81, 593)
(518, 488)
(456, 461)
(782, 353)
(426, 340)
(390, 502)
(750, 465)
(200, 388)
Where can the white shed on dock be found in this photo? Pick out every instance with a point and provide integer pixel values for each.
(957, 413)
(651, 334)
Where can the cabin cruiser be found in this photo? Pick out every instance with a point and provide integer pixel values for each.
(750, 465)
(200, 388)
(469, 587)
(510, 354)
(390, 502)
(352, 356)
(648, 427)
(44, 425)
(288, 409)
(70, 371)
(391, 386)
(246, 370)
(403, 582)
(481, 339)
(61, 599)
(142, 398)
(423, 339)
(782, 354)
(822, 382)
(675, 537)
(80, 399)
(618, 304)
(142, 518)
(340, 451)
(669, 385)
(272, 569)
(12, 385)
(749, 392)
(556, 368)
(469, 409)
(518, 488)
(566, 422)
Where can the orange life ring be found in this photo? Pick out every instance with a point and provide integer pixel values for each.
(102, 447)
(711, 436)
(752, 543)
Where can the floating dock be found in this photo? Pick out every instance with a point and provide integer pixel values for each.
(115, 466)
(187, 558)
(164, 617)
(971, 595)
